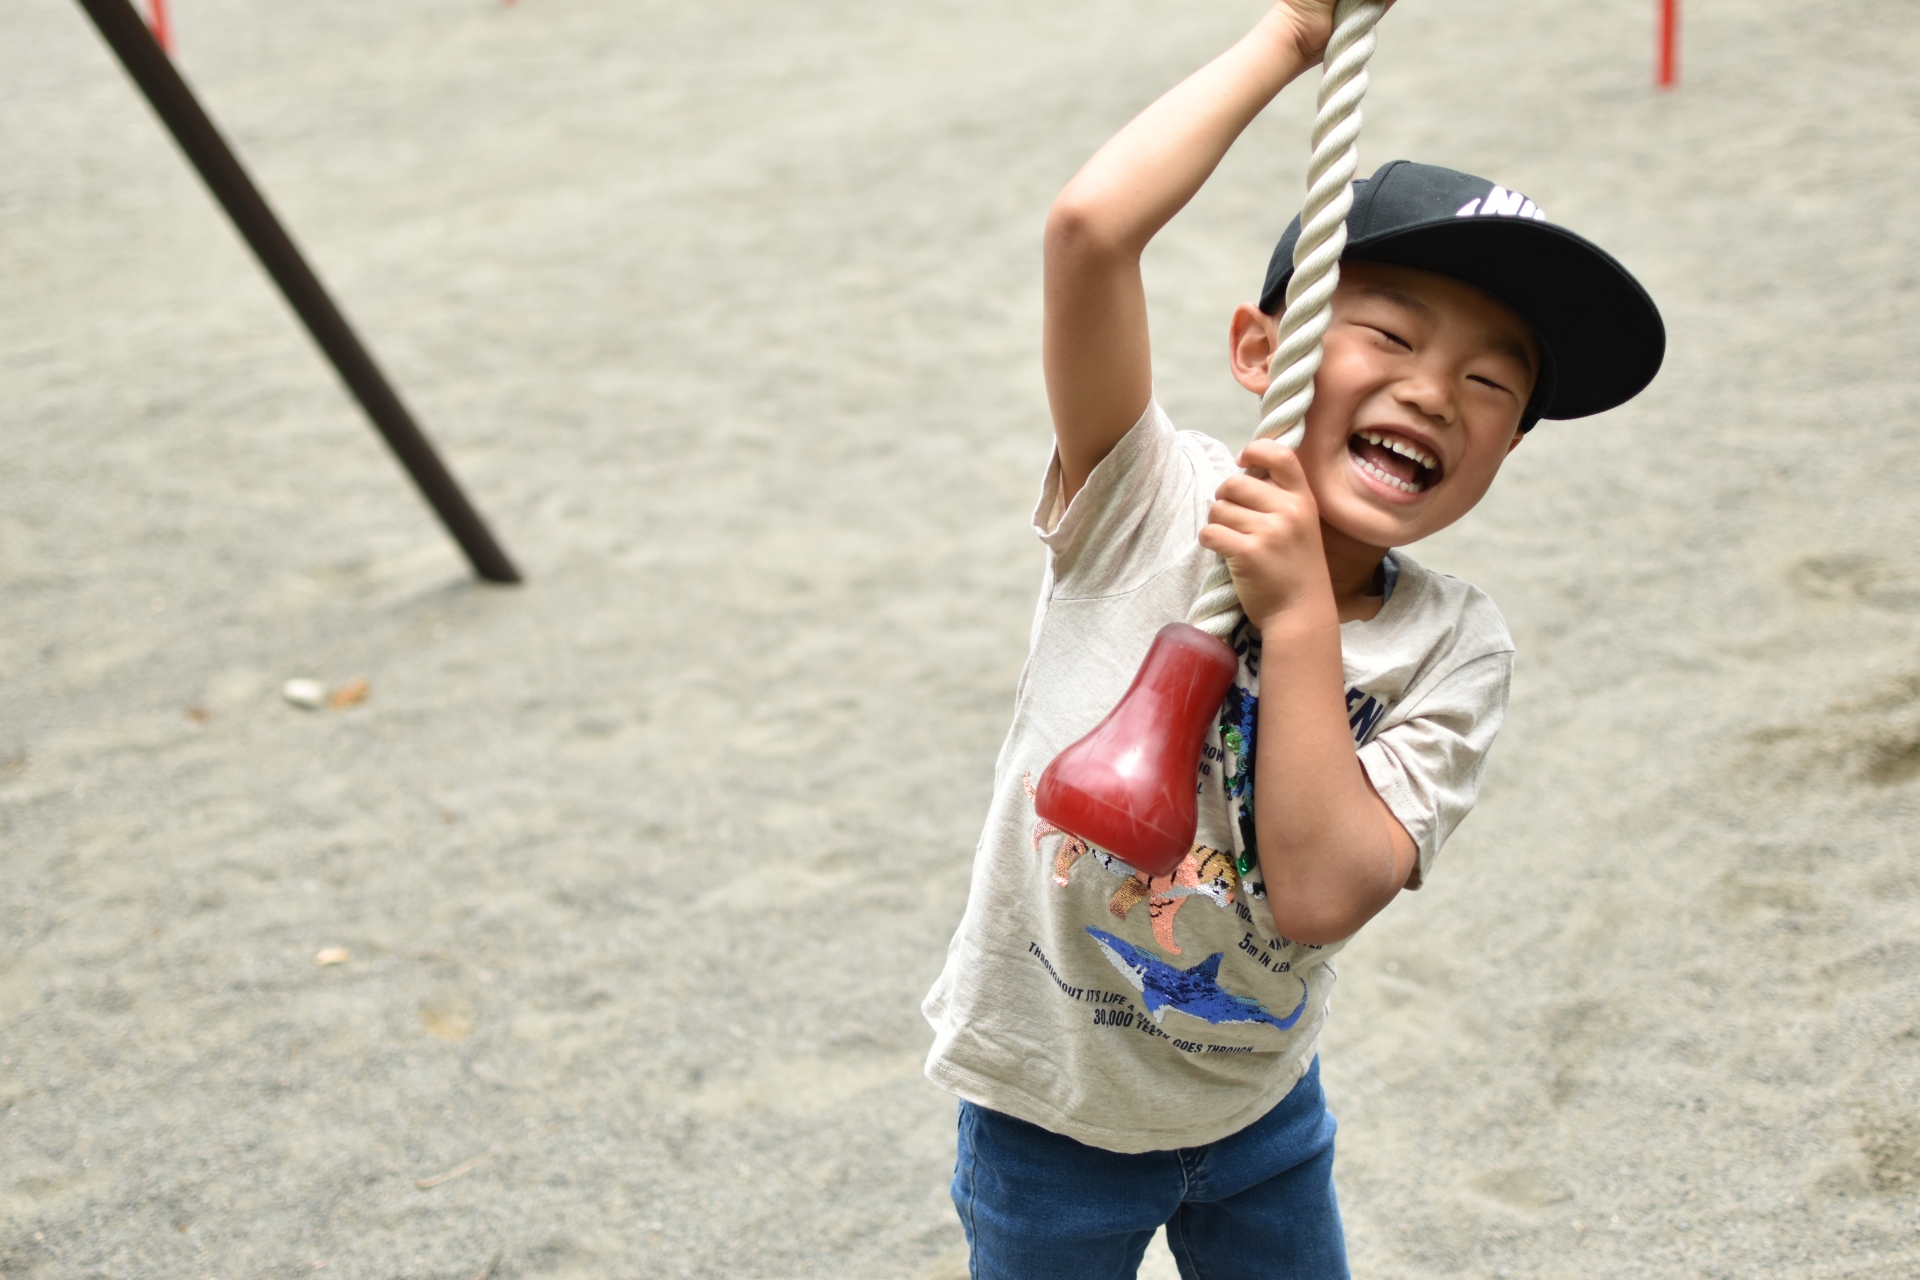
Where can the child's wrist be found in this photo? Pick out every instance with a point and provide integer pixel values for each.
(1282, 28)
(1298, 621)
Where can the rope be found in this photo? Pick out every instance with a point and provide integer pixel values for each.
(1316, 267)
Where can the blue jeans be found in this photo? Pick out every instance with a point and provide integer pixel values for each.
(1256, 1205)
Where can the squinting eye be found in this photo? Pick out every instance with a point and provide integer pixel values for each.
(1488, 382)
(1394, 338)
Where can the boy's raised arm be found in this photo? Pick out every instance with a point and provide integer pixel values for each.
(1098, 362)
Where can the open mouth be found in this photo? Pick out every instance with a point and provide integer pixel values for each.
(1394, 461)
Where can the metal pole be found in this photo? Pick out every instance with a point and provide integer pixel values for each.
(162, 27)
(127, 35)
(1668, 73)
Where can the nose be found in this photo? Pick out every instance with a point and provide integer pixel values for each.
(1426, 390)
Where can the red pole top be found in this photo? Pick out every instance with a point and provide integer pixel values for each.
(161, 27)
(1667, 74)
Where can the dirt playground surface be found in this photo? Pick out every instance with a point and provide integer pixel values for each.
(727, 314)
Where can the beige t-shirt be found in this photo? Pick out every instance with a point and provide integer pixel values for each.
(1141, 1014)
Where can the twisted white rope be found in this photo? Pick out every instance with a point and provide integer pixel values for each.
(1316, 267)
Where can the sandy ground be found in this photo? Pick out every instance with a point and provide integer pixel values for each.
(727, 313)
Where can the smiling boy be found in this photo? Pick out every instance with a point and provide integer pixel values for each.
(1132, 1051)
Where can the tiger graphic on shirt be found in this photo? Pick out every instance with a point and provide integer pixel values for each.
(1204, 871)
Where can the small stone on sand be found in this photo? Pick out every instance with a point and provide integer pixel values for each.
(308, 695)
(332, 955)
(351, 694)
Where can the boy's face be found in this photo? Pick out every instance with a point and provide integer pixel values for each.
(1417, 402)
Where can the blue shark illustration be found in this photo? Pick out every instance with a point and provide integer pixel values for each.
(1195, 992)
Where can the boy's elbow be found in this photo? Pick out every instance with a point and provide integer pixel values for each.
(1322, 919)
(1316, 928)
(1078, 229)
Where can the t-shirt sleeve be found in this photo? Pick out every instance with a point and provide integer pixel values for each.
(1140, 510)
(1427, 763)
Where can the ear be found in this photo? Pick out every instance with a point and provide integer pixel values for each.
(1250, 343)
(1518, 436)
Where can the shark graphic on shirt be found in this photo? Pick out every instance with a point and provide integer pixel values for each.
(1195, 992)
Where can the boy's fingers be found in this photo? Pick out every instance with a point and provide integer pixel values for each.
(1281, 464)
(1223, 541)
(1244, 491)
(1231, 515)
(1260, 495)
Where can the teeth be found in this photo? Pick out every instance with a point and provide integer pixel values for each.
(1401, 447)
(1385, 478)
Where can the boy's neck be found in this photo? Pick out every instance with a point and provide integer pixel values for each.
(1354, 569)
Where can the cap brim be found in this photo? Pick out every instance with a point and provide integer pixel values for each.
(1603, 333)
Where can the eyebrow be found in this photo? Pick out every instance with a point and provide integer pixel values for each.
(1388, 293)
(1517, 351)
(1407, 300)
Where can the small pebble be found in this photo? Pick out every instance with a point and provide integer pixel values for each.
(351, 694)
(333, 955)
(308, 695)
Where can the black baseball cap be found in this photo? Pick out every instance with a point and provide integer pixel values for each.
(1600, 333)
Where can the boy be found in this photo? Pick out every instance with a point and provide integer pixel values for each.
(1133, 1051)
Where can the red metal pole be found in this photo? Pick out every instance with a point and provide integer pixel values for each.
(1668, 73)
(162, 26)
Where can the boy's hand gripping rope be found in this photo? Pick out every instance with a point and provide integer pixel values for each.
(1128, 786)
(1316, 267)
